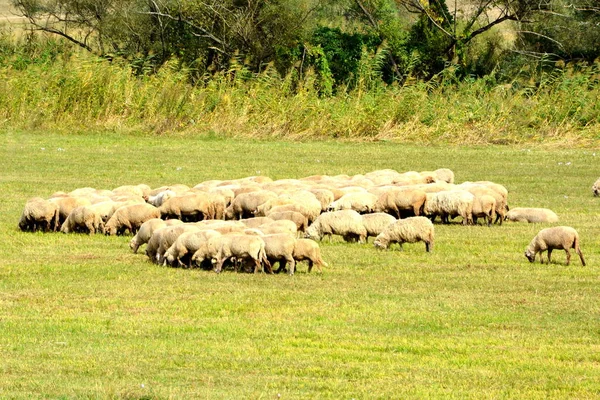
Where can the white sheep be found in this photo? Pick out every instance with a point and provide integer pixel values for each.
(360, 202)
(256, 221)
(144, 234)
(408, 230)
(66, 204)
(530, 214)
(188, 207)
(163, 238)
(130, 218)
(158, 199)
(346, 223)
(281, 226)
(596, 187)
(280, 248)
(450, 203)
(39, 214)
(484, 206)
(309, 250)
(241, 247)
(83, 219)
(300, 220)
(375, 223)
(558, 237)
(186, 245)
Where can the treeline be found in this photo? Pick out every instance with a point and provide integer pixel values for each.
(406, 39)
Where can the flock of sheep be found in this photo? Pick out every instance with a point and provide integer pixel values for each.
(255, 222)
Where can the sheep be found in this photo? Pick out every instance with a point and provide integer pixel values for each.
(140, 190)
(83, 219)
(310, 214)
(280, 248)
(163, 238)
(39, 214)
(240, 247)
(450, 203)
(485, 207)
(281, 226)
(265, 208)
(558, 237)
(479, 190)
(187, 244)
(324, 196)
(130, 218)
(444, 175)
(596, 188)
(146, 229)
(409, 230)
(309, 250)
(158, 199)
(535, 215)
(394, 201)
(499, 192)
(188, 207)
(67, 204)
(244, 204)
(375, 223)
(347, 223)
(300, 220)
(360, 202)
(256, 221)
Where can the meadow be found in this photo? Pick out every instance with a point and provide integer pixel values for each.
(83, 317)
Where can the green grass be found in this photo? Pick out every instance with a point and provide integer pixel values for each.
(83, 317)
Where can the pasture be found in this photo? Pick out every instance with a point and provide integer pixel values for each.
(83, 317)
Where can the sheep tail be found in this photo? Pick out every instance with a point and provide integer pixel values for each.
(578, 250)
(262, 257)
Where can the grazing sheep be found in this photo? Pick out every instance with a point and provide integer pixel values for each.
(484, 207)
(130, 218)
(240, 247)
(310, 214)
(346, 223)
(39, 214)
(450, 203)
(558, 237)
(163, 238)
(244, 204)
(265, 208)
(256, 221)
(158, 199)
(479, 190)
(359, 202)
(280, 248)
(324, 196)
(499, 192)
(394, 201)
(83, 219)
(300, 220)
(67, 204)
(144, 234)
(140, 190)
(375, 223)
(409, 230)
(189, 207)
(535, 215)
(596, 187)
(444, 175)
(309, 250)
(186, 245)
(281, 226)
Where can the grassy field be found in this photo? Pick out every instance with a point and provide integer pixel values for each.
(83, 317)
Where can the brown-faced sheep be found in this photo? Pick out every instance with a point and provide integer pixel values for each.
(144, 234)
(375, 223)
(83, 219)
(409, 230)
(39, 214)
(130, 218)
(450, 203)
(533, 215)
(346, 223)
(395, 201)
(558, 237)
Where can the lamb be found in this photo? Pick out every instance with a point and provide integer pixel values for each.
(375, 223)
(558, 237)
(535, 215)
(130, 218)
(188, 207)
(308, 250)
(360, 202)
(394, 201)
(147, 228)
(163, 238)
(596, 188)
(485, 207)
(280, 248)
(242, 247)
(83, 219)
(409, 230)
(300, 220)
(39, 214)
(186, 245)
(346, 223)
(450, 203)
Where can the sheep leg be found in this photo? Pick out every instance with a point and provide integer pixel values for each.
(578, 250)
(219, 265)
(282, 264)
(550, 256)
(428, 247)
(568, 256)
(292, 266)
